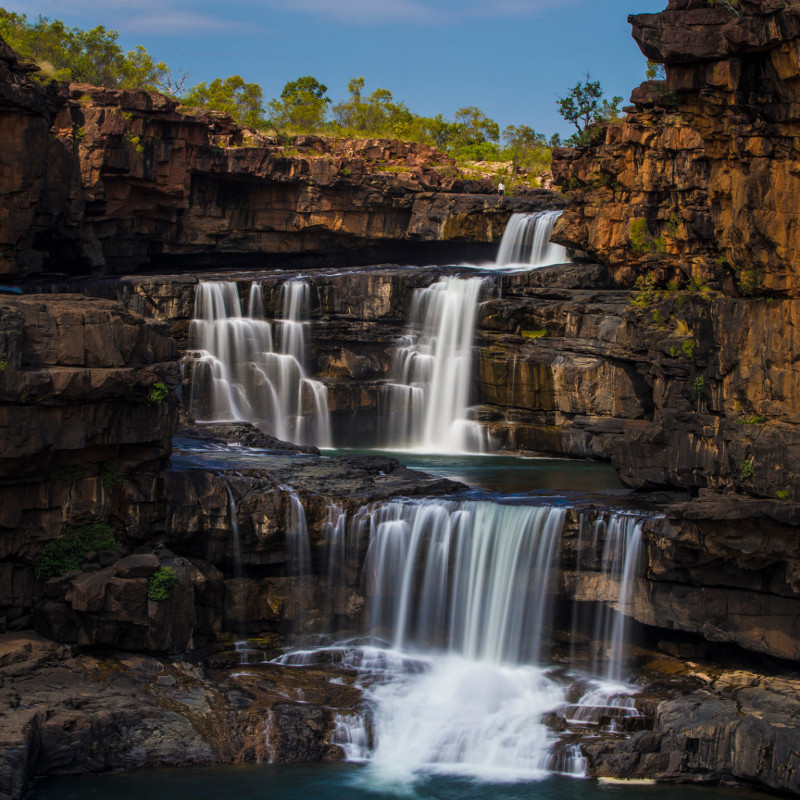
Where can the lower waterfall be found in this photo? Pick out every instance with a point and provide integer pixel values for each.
(455, 668)
(526, 241)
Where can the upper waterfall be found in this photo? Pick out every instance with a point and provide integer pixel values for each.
(526, 240)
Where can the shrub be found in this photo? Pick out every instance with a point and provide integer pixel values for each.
(3, 362)
(160, 583)
(110, 475)
(533, 334)
(699, 387)
(158, 393)
(68, 551)
(746, 469)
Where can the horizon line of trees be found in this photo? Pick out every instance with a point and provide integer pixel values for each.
(95, 56)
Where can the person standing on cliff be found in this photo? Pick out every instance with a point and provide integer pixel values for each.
(501, 188)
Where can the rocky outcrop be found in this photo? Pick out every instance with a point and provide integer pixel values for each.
(103, 181)
(699, 181)
(66, 713)
(86, 419)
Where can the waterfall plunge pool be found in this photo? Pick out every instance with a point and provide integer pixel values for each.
(334, 781)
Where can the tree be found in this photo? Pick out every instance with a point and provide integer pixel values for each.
(527, 148)
(303, 106)
(72, 54)
(243, 101)
(585, 105)
(376, 115)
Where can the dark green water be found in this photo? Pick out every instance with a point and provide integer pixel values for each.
(508, 474)
(345, 782)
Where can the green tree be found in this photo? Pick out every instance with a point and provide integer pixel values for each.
(243, 101)
(585, 105)
(73, 54)
(303, 106)
(377, 114)
(527, 148)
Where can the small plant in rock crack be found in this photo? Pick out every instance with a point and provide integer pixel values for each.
(160, 584)
(158, 393)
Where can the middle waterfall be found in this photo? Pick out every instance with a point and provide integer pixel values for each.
(432, 371)
(238, 374)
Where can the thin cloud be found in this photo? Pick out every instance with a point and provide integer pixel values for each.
(186, 22)
(434, 12)
(365, 12)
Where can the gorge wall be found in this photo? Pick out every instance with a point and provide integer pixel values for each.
(98, 182)
(699, 181)
(691, 394)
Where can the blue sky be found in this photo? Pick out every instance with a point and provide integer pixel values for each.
(511, 58)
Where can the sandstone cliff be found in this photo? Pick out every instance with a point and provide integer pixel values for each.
(700, 181)
(98, 181)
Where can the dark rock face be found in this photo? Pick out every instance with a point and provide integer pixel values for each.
(697, 180)
(80, 438)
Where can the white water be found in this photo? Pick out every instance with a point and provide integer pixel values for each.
(526, 241)
(460, 592)
(432, 372)
(239, 375)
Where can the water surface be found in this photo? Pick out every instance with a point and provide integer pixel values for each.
(340, 781)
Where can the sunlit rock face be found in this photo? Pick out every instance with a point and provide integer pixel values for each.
(99, 181)
(699, 180)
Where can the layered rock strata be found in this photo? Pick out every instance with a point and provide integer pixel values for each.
(699, 181)
(86, 421)
(100, 181)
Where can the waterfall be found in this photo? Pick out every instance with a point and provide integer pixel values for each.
(460, 603)
(620, 558)
(432, 371)
(298, 543)
(526, 240)
(238, 375)
(471, 578)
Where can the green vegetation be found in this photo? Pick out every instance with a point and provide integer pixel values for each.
(746, 469)
(782, 494)
(71, 54)
(3, 362)
(160, 583)
(642, 241)
(111, 475)
(586, 105)
(94, 56)
(688, 348)
(535, 334)
(68, 551)
(158, 393)
(646, 293)
(699, 386)
(751, 419)
(243, 101)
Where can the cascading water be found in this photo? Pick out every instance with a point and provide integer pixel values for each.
(432, 370)
(526, 240)
(461, 593)
(238, 375)
(621, 536)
